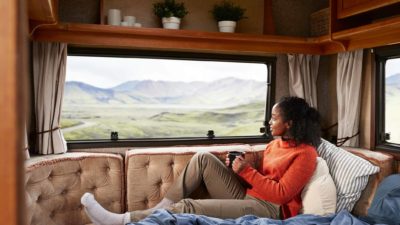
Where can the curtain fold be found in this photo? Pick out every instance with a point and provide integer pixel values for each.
(303, 74)
(349, 73)
(49, 68)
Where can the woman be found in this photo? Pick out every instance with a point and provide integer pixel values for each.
(273, 190)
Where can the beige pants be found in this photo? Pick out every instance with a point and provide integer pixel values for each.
(229, 199)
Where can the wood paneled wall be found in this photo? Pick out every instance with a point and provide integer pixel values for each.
(12, 29)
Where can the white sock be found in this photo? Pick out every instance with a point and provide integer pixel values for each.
(165, 202)
(101, 216)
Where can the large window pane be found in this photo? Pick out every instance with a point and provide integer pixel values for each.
(392, 100)
(162, 98)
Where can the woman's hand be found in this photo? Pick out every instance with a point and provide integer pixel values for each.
(239, 164)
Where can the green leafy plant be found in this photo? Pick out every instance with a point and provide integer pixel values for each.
(227, 10)
(169, 8)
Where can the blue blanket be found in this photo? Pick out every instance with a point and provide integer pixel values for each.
(163, 217)
(384, 209)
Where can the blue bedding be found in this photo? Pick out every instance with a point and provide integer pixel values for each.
(384, 209)
(163, 217)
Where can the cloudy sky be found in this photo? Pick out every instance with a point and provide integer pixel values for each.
(107, 72)
(392, 67)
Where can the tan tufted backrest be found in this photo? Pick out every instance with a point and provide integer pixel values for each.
(151, 171)
(54, 185)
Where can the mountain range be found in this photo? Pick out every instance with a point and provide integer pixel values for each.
(220, 93)
(393, 80)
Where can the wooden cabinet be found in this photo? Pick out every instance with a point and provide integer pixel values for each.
(347, 8)
(42, 11)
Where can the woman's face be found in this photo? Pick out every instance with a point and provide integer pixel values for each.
(278, 126)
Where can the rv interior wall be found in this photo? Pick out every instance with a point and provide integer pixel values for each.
(290, 17)
(199, 19)
(13, 40)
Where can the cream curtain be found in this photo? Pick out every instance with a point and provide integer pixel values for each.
(49, 67)
(349, 70)
(303, 73)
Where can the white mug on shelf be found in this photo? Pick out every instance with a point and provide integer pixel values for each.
(137, 25)
(114, 17)
(130, 20)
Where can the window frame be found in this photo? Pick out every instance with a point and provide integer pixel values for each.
(381, 56)
(152, 142)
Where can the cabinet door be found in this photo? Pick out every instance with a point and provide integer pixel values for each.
(346, 8)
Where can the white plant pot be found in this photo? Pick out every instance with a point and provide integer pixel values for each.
(171, 22)
(227, 26)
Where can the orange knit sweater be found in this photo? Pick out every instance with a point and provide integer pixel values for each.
(284, 172)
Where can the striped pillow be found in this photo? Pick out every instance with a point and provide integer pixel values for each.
(349, 172)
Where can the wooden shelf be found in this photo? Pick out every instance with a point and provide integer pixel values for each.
(384, 32)
(174, 40)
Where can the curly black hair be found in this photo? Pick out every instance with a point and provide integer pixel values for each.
(305, 121)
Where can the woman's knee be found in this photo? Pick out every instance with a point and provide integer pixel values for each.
(203, 156)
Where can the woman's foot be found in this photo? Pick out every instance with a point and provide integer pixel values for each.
(100, 216)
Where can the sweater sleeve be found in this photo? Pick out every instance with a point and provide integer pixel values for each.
(291, 183)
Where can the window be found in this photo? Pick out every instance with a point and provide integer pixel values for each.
(160, 97)
(388, 87)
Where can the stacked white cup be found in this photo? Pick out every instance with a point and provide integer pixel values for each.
(130, 20)
(114, 17)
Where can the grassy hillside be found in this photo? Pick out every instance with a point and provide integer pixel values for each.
(97, 121)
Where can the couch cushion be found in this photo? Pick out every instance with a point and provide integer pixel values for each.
(319, 195)
(54, 185)
(349, 172)
(384, 162)
(151, 171)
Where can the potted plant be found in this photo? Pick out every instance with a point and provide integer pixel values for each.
(170, 12)
(227, 14)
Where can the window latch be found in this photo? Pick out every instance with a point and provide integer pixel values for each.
(114, 135)
(262, 130)
(210, 134)
(387, 136)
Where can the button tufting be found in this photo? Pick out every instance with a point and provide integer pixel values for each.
(64, 192)
(52, 214)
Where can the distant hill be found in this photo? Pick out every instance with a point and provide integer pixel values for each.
(393, 80)
(224, 92)
(393, 89)
(77, 92)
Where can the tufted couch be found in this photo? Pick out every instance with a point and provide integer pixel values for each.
(137, 180)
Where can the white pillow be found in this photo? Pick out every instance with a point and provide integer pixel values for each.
(349, 172)
(319, 195)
